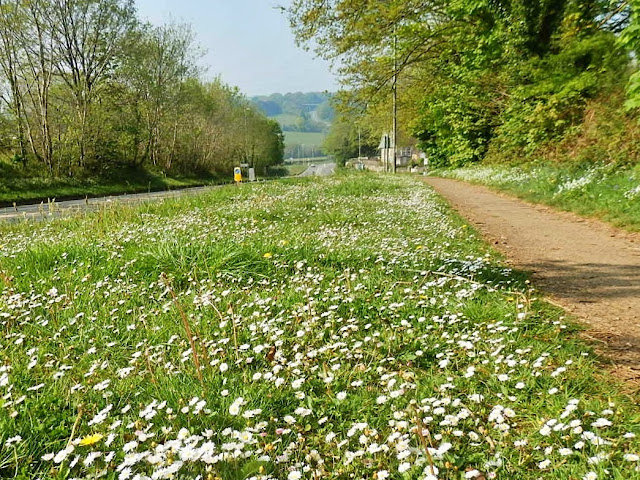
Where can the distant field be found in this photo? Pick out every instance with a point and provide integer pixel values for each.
(304, 138)
(286, 118)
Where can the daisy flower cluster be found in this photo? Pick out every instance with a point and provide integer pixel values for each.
(596, 185)
(347, 327)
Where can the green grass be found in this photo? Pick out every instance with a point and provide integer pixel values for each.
(344, 327)
(286, 119)
(308, 139)
(607, 191)
(17, 187)
(26, 189)
(296, 169)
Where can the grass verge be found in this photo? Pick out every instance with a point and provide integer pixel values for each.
(22, 191)
(346, 327)
(610, 192)
(26, 190)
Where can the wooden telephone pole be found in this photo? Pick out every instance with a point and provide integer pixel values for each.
(395, 101)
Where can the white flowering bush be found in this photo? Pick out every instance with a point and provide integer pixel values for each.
(579, 182)
(337, 328)
(632, 193)
(489, 174)
(609, 191)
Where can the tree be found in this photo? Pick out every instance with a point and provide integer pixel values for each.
(10, 22)
(90, 91)
(37, 51)
(349, 137)
(160, 60)
(630, 39)
(325, 111)
(88, 36)
(270, 144)
(473, 72)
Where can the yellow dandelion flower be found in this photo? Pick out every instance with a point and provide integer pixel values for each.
(268, 255)
(91, 439)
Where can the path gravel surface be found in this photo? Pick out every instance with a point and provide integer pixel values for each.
(585, 266)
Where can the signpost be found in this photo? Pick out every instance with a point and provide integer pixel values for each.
(237, 175)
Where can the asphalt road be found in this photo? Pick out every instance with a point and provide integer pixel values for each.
(58, 209)
(320, 170)
(44, 211)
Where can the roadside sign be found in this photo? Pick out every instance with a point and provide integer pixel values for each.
(237, 174)
(252, 175)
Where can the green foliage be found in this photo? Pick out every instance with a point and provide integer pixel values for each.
(93, 91)
(325, 112)
(454, 127)
(515, 97)
(475, 77)
(269, 107)
(270, 146)
(292, 103)
(630, 40)
(605, 190)
(342, 142)
(559, 88)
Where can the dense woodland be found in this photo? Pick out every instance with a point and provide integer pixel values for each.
(89, 90)
(483, 80)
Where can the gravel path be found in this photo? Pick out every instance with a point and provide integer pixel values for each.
(587, 267)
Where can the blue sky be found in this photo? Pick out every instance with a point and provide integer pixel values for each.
(248, 42)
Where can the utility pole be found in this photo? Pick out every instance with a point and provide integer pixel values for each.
(395, 99)
(359, 144)
(246, 135)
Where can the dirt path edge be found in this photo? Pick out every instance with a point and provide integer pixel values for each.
(589, 268)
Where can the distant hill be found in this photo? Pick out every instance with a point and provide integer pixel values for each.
(304, 117)
(298, 112)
